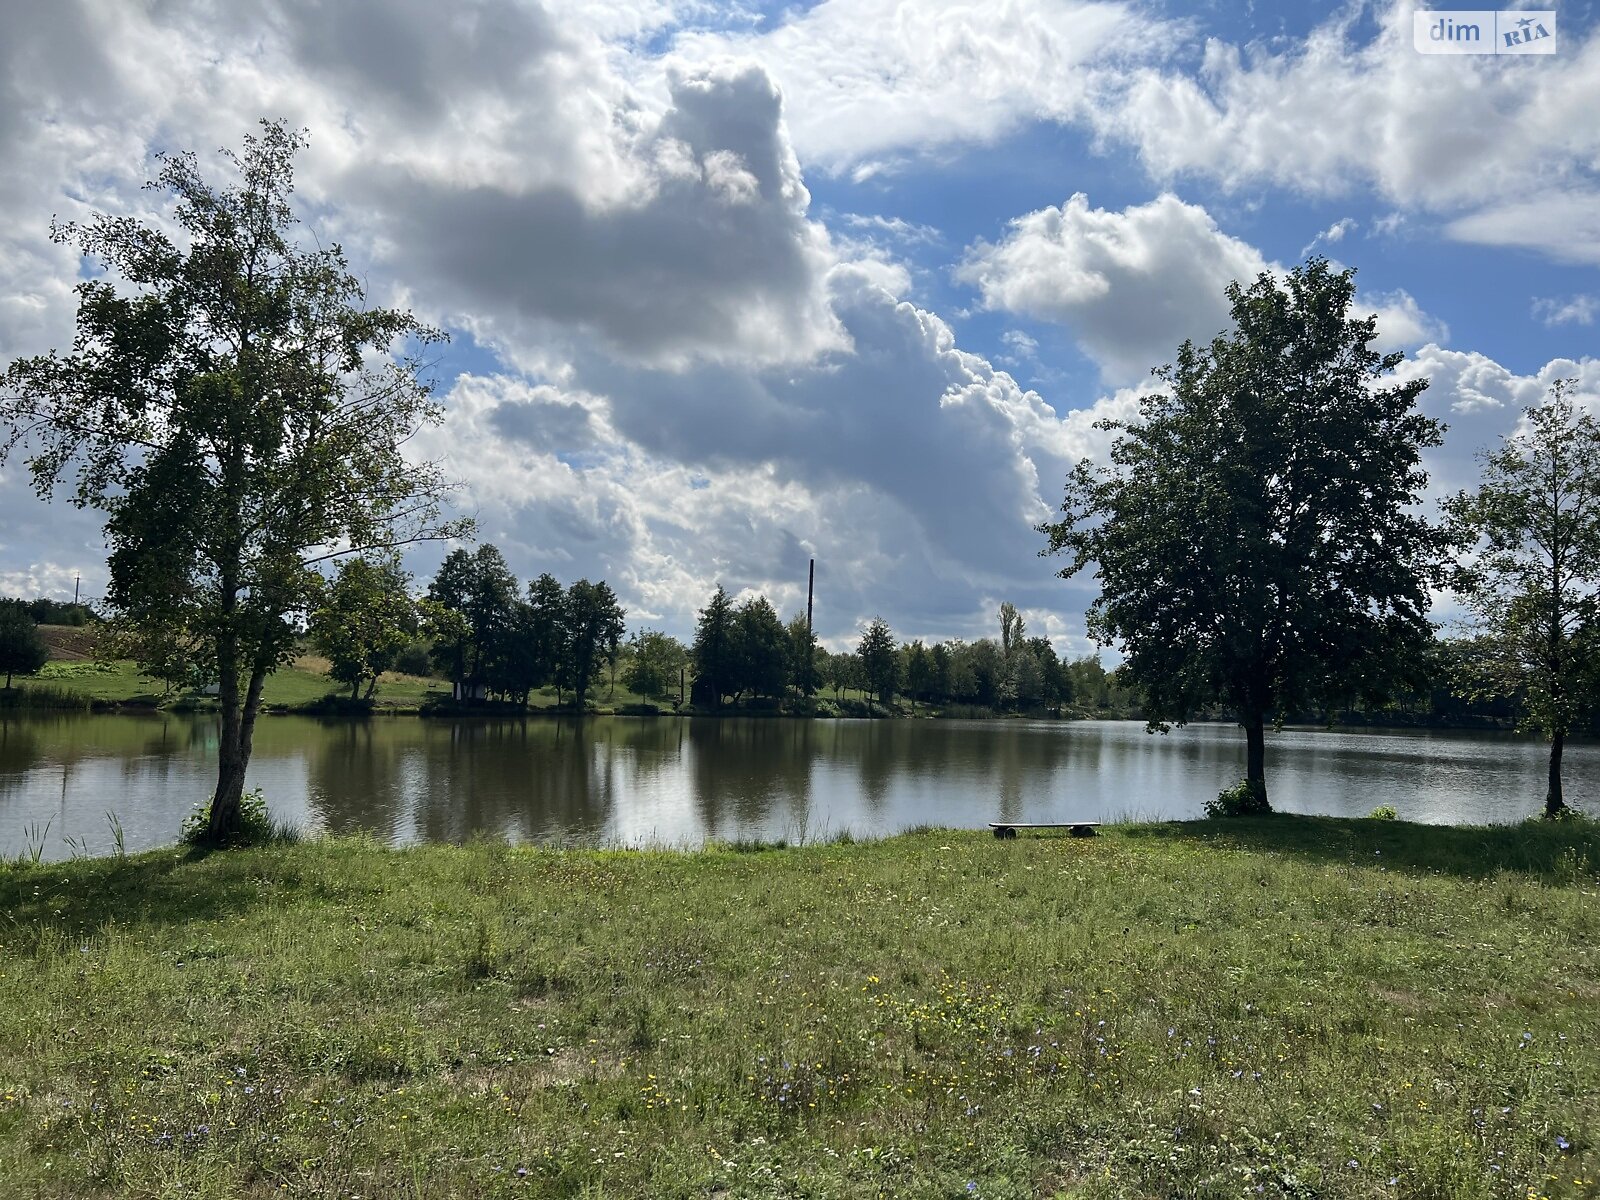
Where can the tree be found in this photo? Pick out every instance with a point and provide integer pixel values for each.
(366, 618)
(480, 586)
(22, 650)
(880, 665)
(918, 672)
(942, 683)
(654, 666)
(802, 655)
(532, 651)
(1256, 536)
(983, 671)
(1027, 677)
(237, 413)
(840, 671)
(715, 648)
(763, 649)
(1532, 585)
(1055, 682)
(593, 627)
(1089, 682)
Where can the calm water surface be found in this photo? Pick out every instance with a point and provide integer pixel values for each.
(680, 782)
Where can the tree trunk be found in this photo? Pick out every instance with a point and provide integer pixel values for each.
(223, 820)
(1554, 804)
(233, 754)
(1255, 770)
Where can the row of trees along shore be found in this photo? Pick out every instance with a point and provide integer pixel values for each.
(238, 413)
(496, 641)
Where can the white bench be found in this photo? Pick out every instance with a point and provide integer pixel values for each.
(1008, 829)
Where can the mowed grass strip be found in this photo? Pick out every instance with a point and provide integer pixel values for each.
(1285, 1007)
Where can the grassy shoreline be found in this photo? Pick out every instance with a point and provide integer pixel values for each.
(1304, 1006)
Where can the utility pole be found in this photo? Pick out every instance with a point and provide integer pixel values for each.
(811, 588)
(78, 579)
(811, 646)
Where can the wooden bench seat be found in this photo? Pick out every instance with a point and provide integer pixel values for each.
(1008, 829)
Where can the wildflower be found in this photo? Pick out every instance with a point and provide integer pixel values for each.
(1562, 1143)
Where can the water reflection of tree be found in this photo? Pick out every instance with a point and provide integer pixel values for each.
(19, 749)
(752, 774)
(524, 779)
(357, 776)
(986, 769)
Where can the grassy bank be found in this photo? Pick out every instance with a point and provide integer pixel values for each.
(1289, 1007)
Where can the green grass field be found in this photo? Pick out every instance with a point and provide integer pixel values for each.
(121, 682)
(1282, 1007)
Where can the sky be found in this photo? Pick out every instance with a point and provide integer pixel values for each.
(731, 286)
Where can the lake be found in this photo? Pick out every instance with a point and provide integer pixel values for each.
(671, 781)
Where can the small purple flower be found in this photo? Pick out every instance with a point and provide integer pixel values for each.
(1562, 1144)
(522, 1170)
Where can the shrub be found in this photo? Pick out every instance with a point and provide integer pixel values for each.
(1243, 799)
(1384, 812)
(256, 826)
(413, 660)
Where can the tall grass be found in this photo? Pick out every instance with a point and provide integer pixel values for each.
(1276, 1007)
(42, 696)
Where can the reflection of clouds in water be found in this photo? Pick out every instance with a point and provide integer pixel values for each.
(666, 781)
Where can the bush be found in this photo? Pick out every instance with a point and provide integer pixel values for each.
(1243, 799)
(413, 660)
(256, 826)
(1384, 812)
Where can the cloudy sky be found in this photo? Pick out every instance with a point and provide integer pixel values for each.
(732, 285)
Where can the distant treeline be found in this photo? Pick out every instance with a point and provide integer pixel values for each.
(496, 640)
(52, 612)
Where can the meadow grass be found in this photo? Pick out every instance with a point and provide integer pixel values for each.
(1280, 1007)
(293, 686)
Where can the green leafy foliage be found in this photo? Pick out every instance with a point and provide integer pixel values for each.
(234, 408)
(802, 655)
(1532, 584)
(480, 589)
(1256, 536)
(880, 666)
(22, 650)
(366, 619)
(655, 661)
(592, 623)
(256, 826)
(1244, 799)
(763, 650)
(716, 650)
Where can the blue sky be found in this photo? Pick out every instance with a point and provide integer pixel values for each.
(732, 285)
